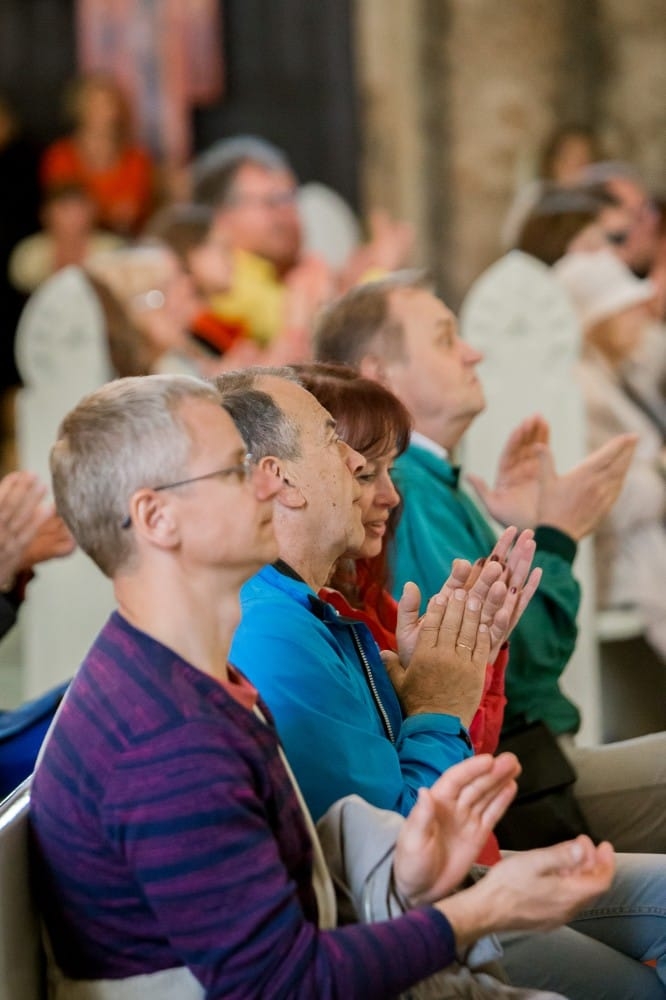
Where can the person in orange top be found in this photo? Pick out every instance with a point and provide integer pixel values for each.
(101, 155)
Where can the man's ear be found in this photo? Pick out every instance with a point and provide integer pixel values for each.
(155, 518)
(372, 366)
(288, 494)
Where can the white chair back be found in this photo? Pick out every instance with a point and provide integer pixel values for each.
(519, 316)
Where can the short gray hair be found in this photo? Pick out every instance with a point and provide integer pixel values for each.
(264, 427)
(360, 321)
(214, 172)
(126, 435)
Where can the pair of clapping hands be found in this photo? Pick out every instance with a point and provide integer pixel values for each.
(442, 655)
(30, 530)
(446, 829)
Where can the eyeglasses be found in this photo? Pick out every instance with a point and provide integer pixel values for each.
(617, 238)
(243, 470)
(280, 199)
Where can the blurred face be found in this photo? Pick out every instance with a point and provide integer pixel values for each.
(165, 311)
(642, 222)
(574, 153)
(100, 108)
(436, 379)
(227, 520)
(324, 475)
(262, 216)
(69, 216)
(378, 498)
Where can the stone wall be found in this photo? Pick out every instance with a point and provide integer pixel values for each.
(457, 96)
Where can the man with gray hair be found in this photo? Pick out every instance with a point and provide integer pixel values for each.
(398, 332)
(277, 286)
(172, 853)
(342, 726)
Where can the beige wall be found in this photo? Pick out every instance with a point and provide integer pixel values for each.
(457, 96)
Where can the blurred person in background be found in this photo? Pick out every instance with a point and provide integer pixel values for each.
(101, 154)
(616, 310)
(190, 232)
(253, 190)
(68, 236)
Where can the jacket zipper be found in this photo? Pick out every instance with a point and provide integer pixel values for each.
(371, 684)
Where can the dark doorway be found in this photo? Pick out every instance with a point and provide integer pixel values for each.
(290, 77)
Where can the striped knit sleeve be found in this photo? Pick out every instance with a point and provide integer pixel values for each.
(195, 825)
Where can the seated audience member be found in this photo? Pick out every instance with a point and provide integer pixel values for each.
(158, 298)
(343, 728)
(375, 423)
(566, 219)
(616, 310)
(287, 631)
(398, 332)
(189, 231)
(67, 237)
(162, 750)
(101, 154)
(31, 532)
(276, 289)
(624, 183)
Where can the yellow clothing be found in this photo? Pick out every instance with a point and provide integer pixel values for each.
(256, 297)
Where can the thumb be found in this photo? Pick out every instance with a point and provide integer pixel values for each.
(420, 817)
(408, 606)
(561, 857)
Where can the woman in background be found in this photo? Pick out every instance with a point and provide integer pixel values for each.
(102, 156)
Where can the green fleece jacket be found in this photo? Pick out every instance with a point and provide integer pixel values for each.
(439, 523)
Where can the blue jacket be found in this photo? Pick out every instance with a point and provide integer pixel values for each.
(339, 734)
(439, 523)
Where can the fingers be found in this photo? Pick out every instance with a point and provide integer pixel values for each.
(619, 449)
(459, 576)
(461, 626)
(394, 668)
(482, 792)
(408, 606)
(528, 592)
(502, 547)
(520, 559)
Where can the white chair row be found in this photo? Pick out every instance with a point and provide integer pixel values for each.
(521, 319)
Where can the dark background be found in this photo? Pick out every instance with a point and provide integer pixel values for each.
(288, 69)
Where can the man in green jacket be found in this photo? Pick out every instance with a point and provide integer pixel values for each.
(398, 332)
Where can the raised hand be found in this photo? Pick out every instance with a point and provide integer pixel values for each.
(449, 825)
(532, 890)
(52, 540)
(22, 514)
(577, 502)
(502, 581)
(516, 496)
(446, 671)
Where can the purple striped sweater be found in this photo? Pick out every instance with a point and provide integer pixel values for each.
(166, 833)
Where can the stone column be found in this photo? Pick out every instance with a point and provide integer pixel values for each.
(633, 36)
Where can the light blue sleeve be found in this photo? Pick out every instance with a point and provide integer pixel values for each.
(328, 723)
